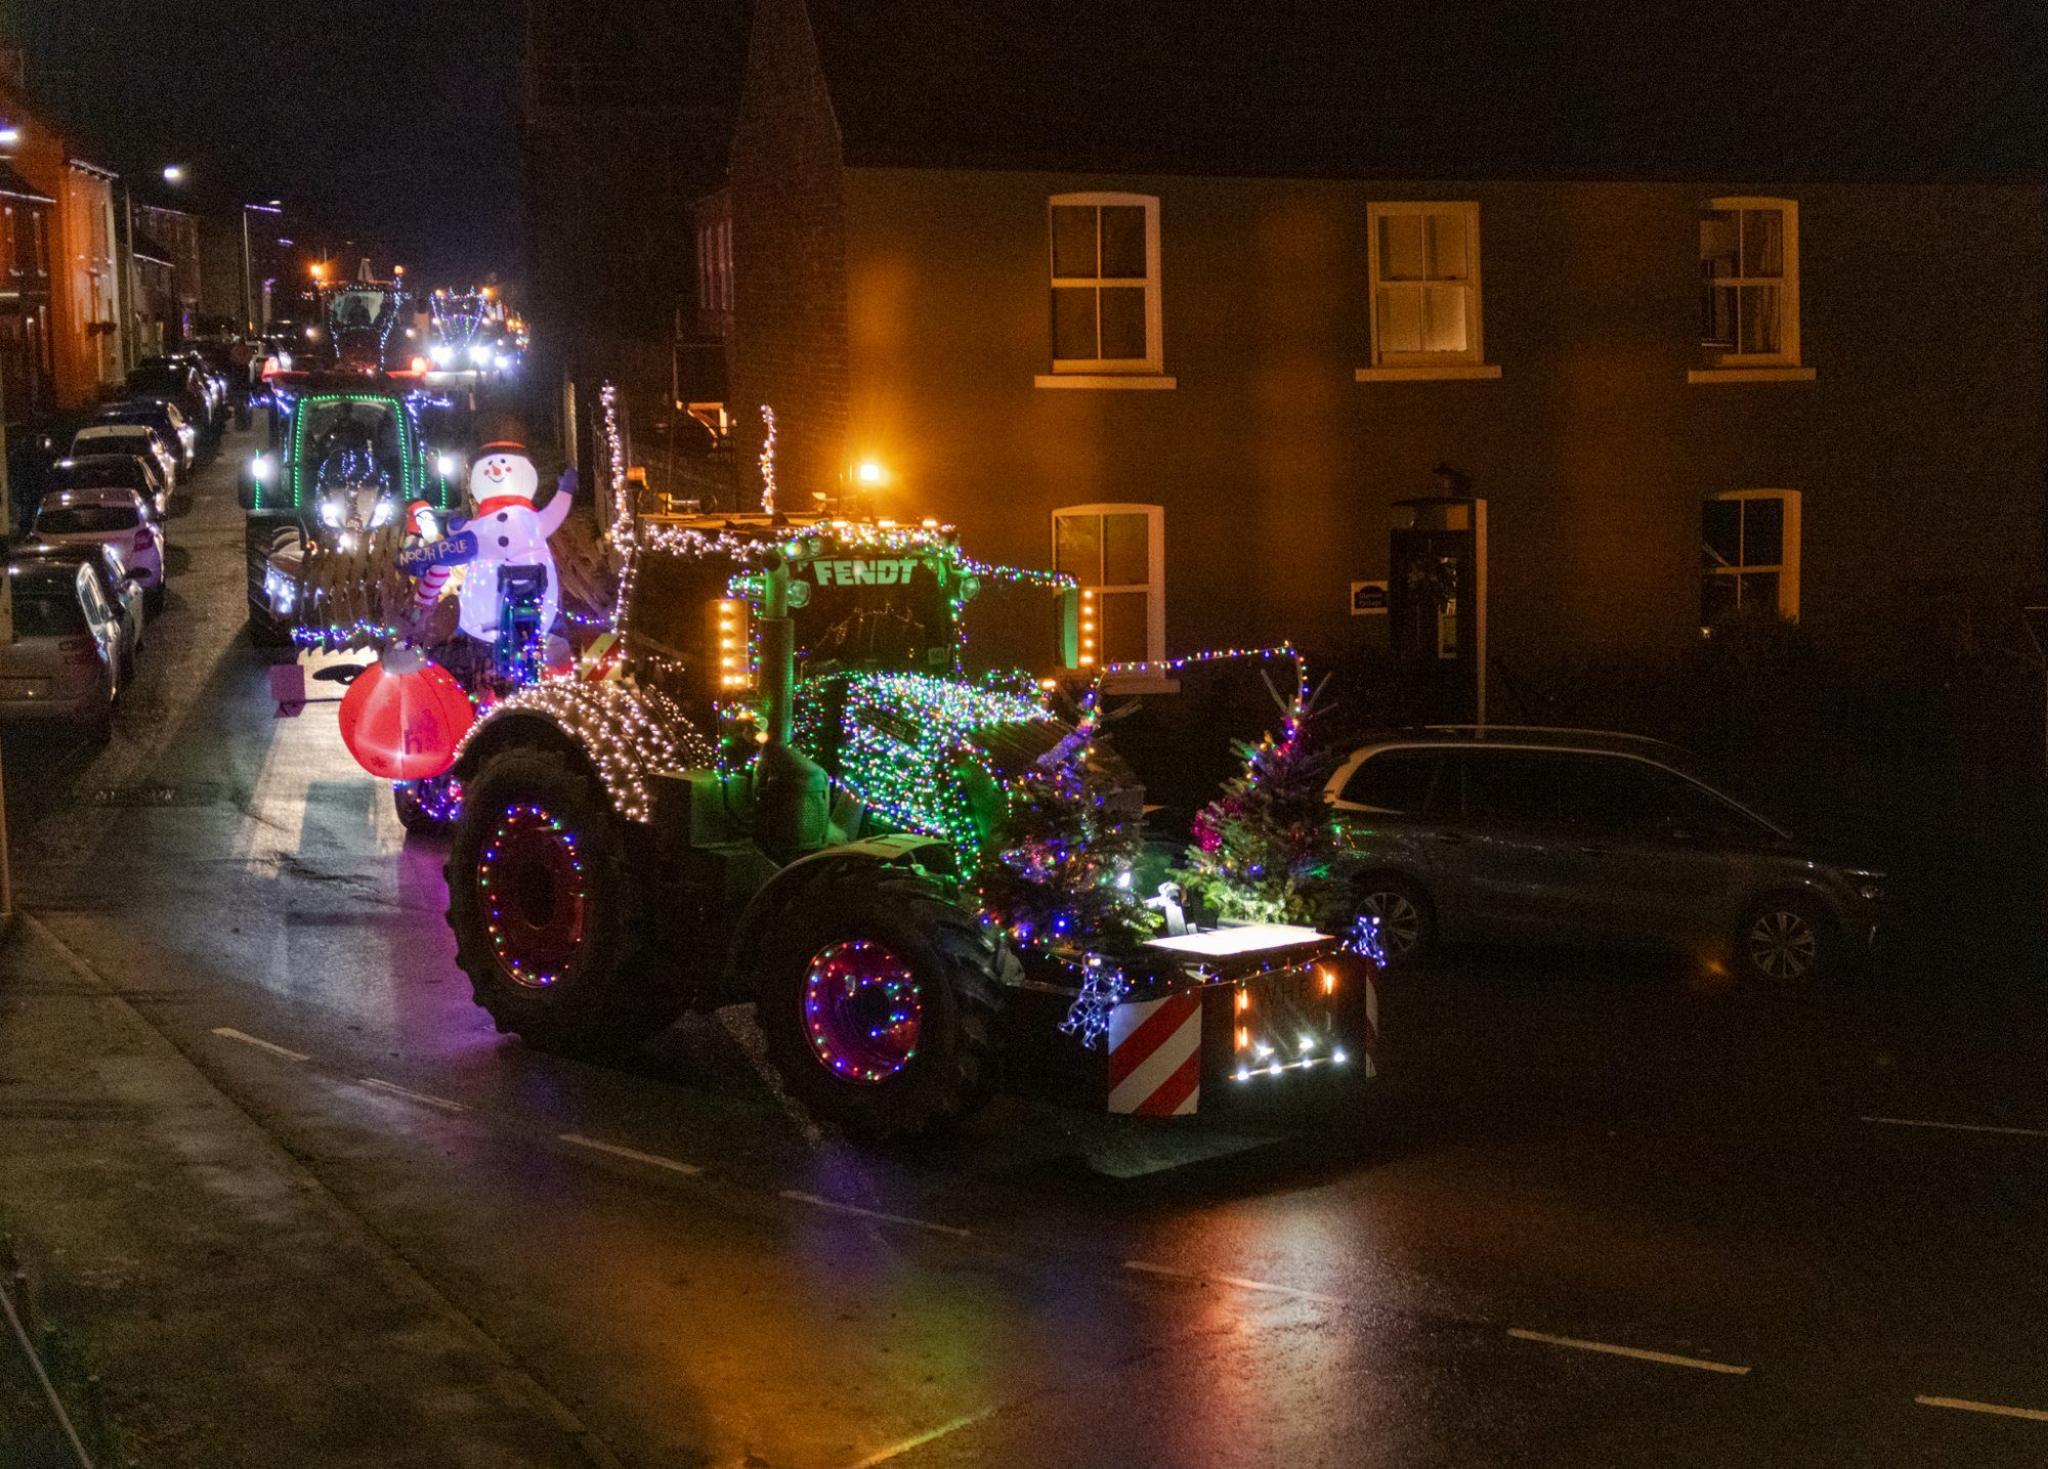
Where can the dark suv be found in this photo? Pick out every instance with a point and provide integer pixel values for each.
(1551, 835)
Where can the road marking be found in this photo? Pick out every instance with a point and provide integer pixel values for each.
(798, 1197)
(897, 1450)
(1203, 1277)
(654, 1160)
(228, 1032)
(1994, 1408)
(1667, 1358)
(399, 1091)
(1959, 1126)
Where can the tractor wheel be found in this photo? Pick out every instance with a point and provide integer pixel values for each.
(552, 924)
(878, 999)
(427, 807)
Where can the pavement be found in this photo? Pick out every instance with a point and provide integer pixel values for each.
(301, 1204)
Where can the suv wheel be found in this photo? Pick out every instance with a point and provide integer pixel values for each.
(1784, 941)
(1402, 916)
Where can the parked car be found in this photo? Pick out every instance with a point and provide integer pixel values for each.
(120, 518)
(138, 439)
(212, 383)
(69, 657)
(108, 472)
(120, 583)
(179, 383)
(161, 414)
(1553, 835)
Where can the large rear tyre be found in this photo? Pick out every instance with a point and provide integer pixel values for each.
(552, 924)
(878, 1000)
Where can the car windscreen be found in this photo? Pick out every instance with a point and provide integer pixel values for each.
(122, 441)
(350, 443)
(48, 615)
(73, 520)
(113, 474)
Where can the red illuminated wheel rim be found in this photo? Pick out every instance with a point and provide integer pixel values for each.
(534, 896)
(863, 1011)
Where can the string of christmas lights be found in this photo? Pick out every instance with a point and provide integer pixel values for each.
(768, 461)
(629, 733)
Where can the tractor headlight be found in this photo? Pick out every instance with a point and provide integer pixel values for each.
(381, 515)
(480, 356)
(449, 465)
(331, 514)
(441, 354)
(260, 469)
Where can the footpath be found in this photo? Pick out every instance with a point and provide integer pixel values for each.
(234, 1313)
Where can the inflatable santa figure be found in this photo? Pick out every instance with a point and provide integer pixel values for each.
(509, 532)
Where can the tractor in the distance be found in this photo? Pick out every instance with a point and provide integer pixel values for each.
(786, 791)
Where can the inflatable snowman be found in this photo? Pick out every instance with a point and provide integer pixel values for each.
(509, 532)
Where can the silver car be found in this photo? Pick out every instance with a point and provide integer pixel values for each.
(112, 517)
(1548, 835)
(69, 657)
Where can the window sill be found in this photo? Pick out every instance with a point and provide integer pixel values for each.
(1750, 375)
(1449, 372)
(1126, 380)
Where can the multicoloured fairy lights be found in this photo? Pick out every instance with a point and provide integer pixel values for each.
(531, 882)
(910, 746)
(629, 733)
(863, 1011)
(767, 460)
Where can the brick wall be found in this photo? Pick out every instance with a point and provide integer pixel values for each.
(788, 346)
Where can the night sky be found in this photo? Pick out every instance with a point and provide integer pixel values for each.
(387, 121)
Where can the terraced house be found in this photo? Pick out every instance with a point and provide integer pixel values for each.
(1241, 326)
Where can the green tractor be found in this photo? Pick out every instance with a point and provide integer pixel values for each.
(785, 790)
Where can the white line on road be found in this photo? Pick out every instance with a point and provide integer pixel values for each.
(898, 1450)
(1203, 1277)
(652, 1159)
(228, 1032)
(795, 1196)
(1667, 1358)
(1959, 1126)
(1995, 1408)
(399, 1091)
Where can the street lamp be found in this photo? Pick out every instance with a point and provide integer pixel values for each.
(173, 173)
(275, 206)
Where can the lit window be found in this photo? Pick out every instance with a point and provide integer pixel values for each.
(1425, 285)
(1118, 555)
(1749, 283)
(1105, 283)
(1749, 555)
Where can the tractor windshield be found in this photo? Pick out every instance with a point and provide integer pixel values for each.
(879, 612)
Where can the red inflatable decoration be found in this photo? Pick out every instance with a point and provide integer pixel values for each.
(403, 717)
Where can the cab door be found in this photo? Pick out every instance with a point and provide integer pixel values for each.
(1663, 846)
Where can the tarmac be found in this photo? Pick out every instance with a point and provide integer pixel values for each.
(209, 1276)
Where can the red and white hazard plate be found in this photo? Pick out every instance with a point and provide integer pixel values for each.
(1155, 1056)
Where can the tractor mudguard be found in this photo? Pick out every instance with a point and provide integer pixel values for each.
(933, 854)
(626, 733)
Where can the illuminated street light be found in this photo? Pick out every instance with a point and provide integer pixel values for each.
(869, 474)
(174, 173)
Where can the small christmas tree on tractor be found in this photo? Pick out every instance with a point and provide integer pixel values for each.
(1264, 850)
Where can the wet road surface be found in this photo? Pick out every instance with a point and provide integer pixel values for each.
(1597, 1211)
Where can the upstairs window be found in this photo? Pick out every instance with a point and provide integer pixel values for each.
(1425, 285)
(1105, 283)
(1118, 555)
(714, 268)
(1749, 555)
(1749, 283)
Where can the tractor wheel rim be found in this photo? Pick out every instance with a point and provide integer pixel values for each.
(863, 1011)
(1782, 944)
(1397, 921)
(534, 895)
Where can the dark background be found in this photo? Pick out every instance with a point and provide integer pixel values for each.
(388, 122)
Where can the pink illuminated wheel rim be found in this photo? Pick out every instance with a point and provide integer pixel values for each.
(863, 1011)
(535, 899)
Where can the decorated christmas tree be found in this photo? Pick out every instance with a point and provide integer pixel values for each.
(1263, 849)
(1058, 874)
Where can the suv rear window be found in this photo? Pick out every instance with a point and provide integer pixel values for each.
(1398, 781)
